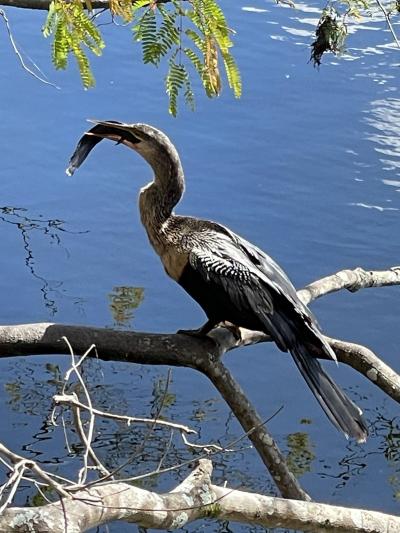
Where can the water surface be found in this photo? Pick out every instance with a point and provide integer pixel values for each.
(305, 165)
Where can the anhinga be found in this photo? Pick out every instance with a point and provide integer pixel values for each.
(231, 279)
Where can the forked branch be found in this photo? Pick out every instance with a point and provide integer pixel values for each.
(195, 498)
(205, 355)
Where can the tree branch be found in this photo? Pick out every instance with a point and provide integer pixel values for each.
(251, 422)
(269, 512)
(195, 498)
(204, 355)
(159, 349)
(44, 4)
(352, 280)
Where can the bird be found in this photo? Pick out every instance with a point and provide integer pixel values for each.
(233, 280)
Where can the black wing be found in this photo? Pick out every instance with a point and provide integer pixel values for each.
(255, 286)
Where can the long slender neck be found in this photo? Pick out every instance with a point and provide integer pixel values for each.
(159, 197)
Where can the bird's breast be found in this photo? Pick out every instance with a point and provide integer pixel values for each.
(174, 262)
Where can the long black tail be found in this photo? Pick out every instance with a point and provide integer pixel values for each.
(344, 414)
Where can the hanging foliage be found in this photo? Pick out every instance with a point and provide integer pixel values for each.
(330, 35)
(73, 32)
(187, 39)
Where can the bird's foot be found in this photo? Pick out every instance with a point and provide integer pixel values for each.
(235, 330)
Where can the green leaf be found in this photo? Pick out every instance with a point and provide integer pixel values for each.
(73, 31)
(176, 78)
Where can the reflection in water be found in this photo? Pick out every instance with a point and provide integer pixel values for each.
(301, 453)
(384, 443)
(28, 393)
(123, 300)
(115, 443)
(389, 431)
(51, 228)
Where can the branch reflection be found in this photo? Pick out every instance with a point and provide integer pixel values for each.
(51, 228)
(123, 300)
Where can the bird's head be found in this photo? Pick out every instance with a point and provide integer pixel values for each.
(152, 144)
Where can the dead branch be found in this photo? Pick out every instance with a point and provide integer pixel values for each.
(72, 401)
(195, 498)
(19, 55)
(352, 280)
(204, 355)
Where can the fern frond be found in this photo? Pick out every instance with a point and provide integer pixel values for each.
(73, 30)
(213, 38)
(84, 66)
(232, 73)
(138, 4)
(195, 60)
(61, 46)
(157, 41)
(189, 94)
(176, 78)
(197, 39)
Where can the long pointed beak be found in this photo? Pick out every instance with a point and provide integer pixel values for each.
(116, 131)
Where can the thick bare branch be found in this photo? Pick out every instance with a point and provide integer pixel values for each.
(251, 422)
(352, 280)
(204, 355)
(176, 350)
(193, 499)
(367, 363)
(267, 511)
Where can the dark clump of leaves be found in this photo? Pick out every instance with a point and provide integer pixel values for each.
(330, 35)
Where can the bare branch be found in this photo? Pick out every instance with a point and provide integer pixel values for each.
(270, 512)
(370, 365)
(18, 53)
(388, 22)
(71, 400)
(352, 280)
(204, 355)
(86, 438)
(251, 422)
(195, 498)
(41, 474)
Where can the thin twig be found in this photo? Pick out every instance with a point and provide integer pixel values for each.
(21, 60)
(189, 461)
(34, 467)
(86, 438)
(68, 399)
(166, 450)
(13, 482)
(388, 22)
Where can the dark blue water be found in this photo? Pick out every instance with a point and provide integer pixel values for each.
(305, 164)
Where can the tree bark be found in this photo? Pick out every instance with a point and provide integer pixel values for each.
(204, 355)
(195, 498)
